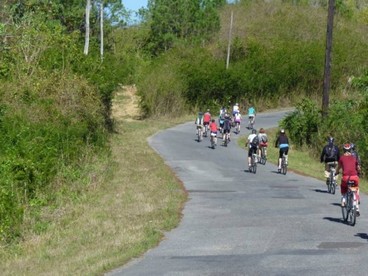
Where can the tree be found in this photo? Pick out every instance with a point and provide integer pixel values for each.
(86, 43)
(189, 20)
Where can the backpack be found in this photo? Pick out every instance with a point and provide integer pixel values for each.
(331, 152)
(255, 141)
(264, 138)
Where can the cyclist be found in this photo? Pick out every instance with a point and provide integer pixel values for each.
(252, 144)
(226, 127)
(251, 114)
(282, 142)
(355, 153)
(221, 119)
(206, 119)
(213, 130)
(350, 169)
(199, 122)
(263, 142)
(330, 154)
(235, 109)
(237, 119)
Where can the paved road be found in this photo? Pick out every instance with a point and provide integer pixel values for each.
(237, 223)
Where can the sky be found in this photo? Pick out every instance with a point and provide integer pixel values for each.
(134, 5)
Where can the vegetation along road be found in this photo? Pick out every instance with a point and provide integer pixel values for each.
(237, 223)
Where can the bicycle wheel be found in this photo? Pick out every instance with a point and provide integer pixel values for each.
(263, 156)
(328, 184)
(254, 163)
(344, 211)
(333, 187)
(352, 210)
(283, 167)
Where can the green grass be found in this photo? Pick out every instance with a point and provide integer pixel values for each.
(119, 217)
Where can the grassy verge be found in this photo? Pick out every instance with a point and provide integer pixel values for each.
(299, 161)
(117, 220)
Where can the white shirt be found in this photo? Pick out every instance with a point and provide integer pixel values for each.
(250, 139)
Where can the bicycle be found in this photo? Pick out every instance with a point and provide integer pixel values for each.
(237, 127)
(199, 134)
(331, 180)
(349, 209)
(213, 140)
(226, 138)
(263, 159)
(284, 164)
(251, 122)
(205, 130)
(253, 164)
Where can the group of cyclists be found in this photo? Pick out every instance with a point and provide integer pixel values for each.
(348, 163)
(226, 120)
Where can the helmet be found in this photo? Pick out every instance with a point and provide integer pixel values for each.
(347, 147)
(352, 146)
(282, 131)
(330, 140)
(261, 130)
(254, 131)
(200, 113)
(208, 110)
(236, 104)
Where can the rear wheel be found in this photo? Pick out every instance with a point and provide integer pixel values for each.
(333, 186)
(351, 216)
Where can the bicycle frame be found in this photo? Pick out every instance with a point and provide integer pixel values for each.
(350, 208)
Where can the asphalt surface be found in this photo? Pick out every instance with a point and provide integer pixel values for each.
(238, 223)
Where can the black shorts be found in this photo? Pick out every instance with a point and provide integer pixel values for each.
(282, 151)
(226, 130)
(206, 123)
(252, 150)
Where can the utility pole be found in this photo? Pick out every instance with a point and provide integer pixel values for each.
(327, 74)
(229, 43)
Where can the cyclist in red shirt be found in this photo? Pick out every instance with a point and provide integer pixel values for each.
(206, 121)
(213, 131)
(350, 169)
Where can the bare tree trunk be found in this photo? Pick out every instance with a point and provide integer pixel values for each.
(101, 30)
(86, 42)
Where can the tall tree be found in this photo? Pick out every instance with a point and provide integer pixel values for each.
(86, 42)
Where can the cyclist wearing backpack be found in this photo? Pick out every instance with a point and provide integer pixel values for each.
(226, 127)
(282, 142)
(350, 170)
(263, 142)
(330, 154)
(252, 144)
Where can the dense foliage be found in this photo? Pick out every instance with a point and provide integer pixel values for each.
(54, 103)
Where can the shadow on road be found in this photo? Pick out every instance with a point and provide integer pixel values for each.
(363, 236)
(339, 220)
(321, 191)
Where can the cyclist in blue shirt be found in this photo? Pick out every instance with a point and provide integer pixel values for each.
(251, 114)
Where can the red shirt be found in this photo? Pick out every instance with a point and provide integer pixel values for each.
(349, 164)
(206, 117)
(213, 127)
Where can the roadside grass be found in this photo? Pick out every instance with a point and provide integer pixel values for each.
(300, 161)
(115, 221)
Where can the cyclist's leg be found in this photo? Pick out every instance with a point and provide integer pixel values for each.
(249, 156)
(286, 151)
(280, 159)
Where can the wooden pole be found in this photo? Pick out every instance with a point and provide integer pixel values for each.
(327, 74)
(229, 43)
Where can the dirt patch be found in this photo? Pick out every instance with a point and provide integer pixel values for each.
(125, 105)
